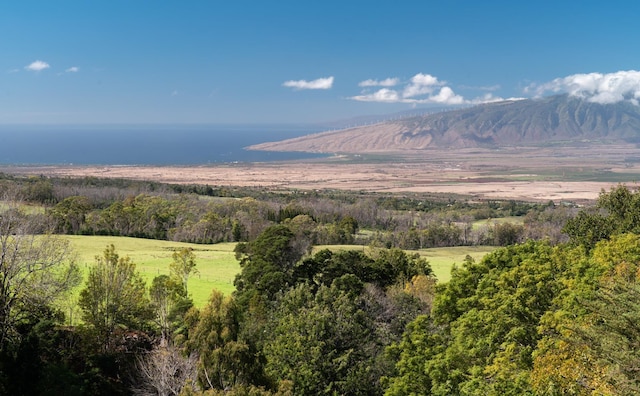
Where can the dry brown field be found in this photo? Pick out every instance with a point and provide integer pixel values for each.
(576, 174)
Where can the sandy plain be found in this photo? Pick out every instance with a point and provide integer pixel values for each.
(538, 174)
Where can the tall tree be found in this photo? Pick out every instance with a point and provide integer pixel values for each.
(224, 360)
(34, 271)
(170, 304)
(323, 343)
(114, 296)
(183, 266)
(267, 264)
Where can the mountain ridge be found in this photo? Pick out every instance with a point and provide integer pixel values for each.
(526, 122)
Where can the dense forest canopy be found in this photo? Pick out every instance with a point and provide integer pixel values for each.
(552, 312)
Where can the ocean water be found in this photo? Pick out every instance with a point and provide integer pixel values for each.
(144, 145)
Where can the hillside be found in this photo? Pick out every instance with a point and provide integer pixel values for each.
(509, 123)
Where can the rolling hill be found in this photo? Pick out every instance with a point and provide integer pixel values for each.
(525, 122)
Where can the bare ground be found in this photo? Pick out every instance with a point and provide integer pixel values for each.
(541, 174)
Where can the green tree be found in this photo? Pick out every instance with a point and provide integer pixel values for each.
(503, 234)
(398, 266)
(224, 360)
(590, 344)
(183, 266)
(616, 212)
(419, 344)
(349, 224)
(623, 208)
(485, 325)
(69, 214)
(267, 264)
(39, 189)
(588, 227)
(114, 297)
(35, 271)
(324, 343)
(170, 303)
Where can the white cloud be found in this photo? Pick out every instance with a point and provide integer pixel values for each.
(320, 83)
(489, 98)
(73, 69)
(594, 87)
(446, 96)
(387, 82)
(37, 66)
(421, 84)
(421, 89)
(382, 95)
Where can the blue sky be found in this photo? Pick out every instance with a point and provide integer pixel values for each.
(299, 61)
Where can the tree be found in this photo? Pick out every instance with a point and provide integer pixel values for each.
(413, 354)
(504, 234)
(70, 214)
(267, 263)
(183, 265)
(323, 343)
(114, 297)
(224, 360)
(165, 371)
(39, 189)
(484, 326)
(591, 341)
(170, 303)
(35, 270)
(588, 227)
(617, 212)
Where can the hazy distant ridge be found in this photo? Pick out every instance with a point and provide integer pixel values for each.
(508, 123)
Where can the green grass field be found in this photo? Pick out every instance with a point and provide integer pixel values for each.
(216, 264)
(443, 259)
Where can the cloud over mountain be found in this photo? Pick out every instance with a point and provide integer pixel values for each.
(420, 89)
(595, 87)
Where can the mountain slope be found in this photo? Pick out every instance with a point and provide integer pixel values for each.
(508, 123)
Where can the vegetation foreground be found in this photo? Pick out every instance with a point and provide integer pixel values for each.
(217, 264)
(551, 312)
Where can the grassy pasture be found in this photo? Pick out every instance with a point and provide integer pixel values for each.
(443, 259)
(216, 264)
(501, 220)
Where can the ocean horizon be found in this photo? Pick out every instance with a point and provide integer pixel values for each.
(145, 144)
